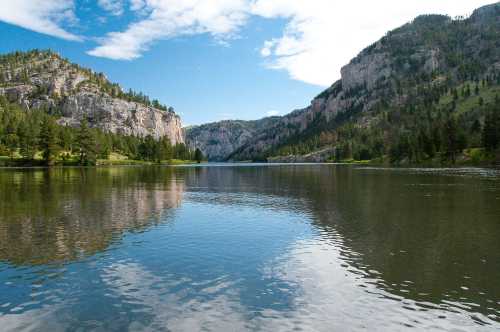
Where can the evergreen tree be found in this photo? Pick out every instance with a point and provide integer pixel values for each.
(491, 132)
(27, 140)
(48, 140)
(453, 139)
(11, 142)
(166, 150)
(198, 156)
(87, 147)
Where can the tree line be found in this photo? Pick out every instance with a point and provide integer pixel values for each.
(34, 134)
(437, 123)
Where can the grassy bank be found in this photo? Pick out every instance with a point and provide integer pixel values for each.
(70, 160)
(476, 157)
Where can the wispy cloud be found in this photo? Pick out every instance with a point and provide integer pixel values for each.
(319, 37)
(114, 7)
(323, 35)
(41, 16)
(171, 18)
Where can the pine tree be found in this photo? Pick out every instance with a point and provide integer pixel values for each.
(86, 144)
(27, 140)
(452, 140)
(48, 141)
(166, 151)
(490, 136)
(11, 142)
(198, 156)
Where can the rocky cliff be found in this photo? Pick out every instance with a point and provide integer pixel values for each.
(218, 140)
(44, 80)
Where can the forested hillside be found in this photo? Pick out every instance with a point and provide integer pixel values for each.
(53, 111)
(426, 92)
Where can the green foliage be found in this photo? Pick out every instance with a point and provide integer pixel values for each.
(27, 133)
(86, 144)
(48, 140)
(198, 155)
(491, 130)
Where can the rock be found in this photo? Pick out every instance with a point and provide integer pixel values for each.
(54, 83)
(365, 70)
(120, 116)
(17, 94)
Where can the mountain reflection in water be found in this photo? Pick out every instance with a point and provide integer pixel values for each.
(311, 247)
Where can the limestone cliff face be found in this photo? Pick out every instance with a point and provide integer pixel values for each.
(120, 116)
(72, 93)
(219, 139)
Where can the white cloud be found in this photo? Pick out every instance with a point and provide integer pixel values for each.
(114, 7)
(266, 50)
(323, 35)
(320, 36)
(170, 18)
(273, 113)
(40, 15)
(137, 4)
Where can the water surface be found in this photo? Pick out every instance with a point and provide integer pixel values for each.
(249, 248)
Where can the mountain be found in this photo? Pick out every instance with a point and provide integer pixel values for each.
(426, 90)
(219, 139)
(43, 80)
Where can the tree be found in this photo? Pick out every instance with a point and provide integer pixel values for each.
(198, 156)
(491, 132)
(148, 149)
(66, 137)
(11, 142)
(48, 140)
(86, 142)
(27, 140)
(166, 151)
(453, 140)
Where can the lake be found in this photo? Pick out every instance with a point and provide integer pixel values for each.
(249, 248)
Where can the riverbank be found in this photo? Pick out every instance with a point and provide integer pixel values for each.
(469, 157)
(18, 162)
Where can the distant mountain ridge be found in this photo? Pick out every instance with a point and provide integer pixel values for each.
(398, 98)
(44, 80)
(218, 140)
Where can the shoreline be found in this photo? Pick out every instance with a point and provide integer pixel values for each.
(261, 164)
(17, 163)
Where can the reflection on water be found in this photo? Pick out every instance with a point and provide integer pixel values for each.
(309, 247)
(64, 214)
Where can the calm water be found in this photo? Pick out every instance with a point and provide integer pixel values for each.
(258, 248)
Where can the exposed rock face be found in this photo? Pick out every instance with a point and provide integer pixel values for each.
(219, 139)
(53, 84)
(120, 116)
(366, 70)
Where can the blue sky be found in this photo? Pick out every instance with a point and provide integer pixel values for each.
(213, 59)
